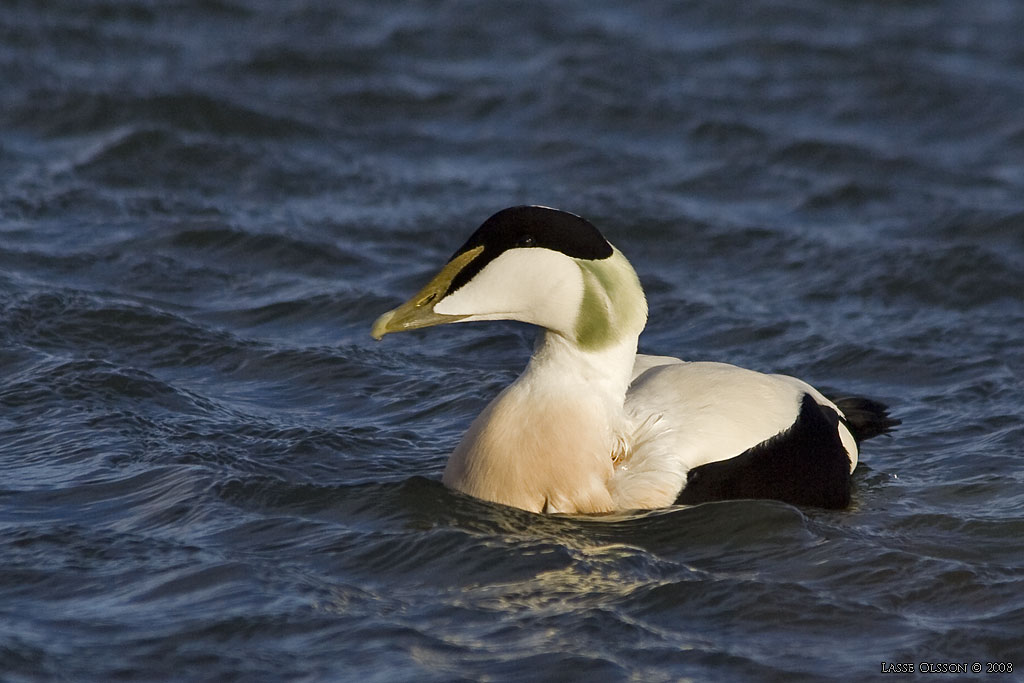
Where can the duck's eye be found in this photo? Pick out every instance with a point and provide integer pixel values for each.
(526, 241)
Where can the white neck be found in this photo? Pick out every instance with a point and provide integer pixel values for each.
(546, 442)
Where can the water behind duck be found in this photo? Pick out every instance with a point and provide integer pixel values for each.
(210, 472)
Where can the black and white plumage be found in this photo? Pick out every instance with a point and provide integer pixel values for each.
(592, 426)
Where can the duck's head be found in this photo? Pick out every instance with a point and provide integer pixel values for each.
(537, 265)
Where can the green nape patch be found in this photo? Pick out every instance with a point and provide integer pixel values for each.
(609, 304)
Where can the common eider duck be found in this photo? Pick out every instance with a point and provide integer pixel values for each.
(591, 426)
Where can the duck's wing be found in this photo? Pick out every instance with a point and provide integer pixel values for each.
(643, 362)
(712, 431)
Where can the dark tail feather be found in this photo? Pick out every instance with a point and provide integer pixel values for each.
(866, 418)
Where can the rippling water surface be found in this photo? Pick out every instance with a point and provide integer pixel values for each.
(210, 472)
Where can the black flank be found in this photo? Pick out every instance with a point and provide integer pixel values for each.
(531, 226)
(804, 465)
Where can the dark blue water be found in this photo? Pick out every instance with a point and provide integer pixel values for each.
(208, 471)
